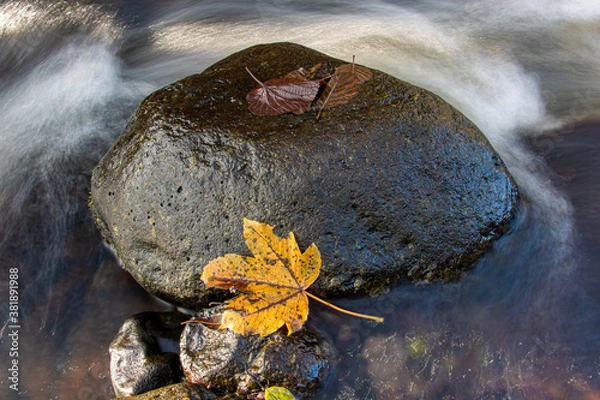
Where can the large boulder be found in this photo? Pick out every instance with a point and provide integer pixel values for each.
(396, 184)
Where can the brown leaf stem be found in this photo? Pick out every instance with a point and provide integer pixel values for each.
(326, 100)
(255, 78)
(372, 317)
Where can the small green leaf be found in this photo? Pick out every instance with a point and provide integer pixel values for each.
(278, 393)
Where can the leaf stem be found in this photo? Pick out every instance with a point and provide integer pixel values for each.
(378, 319)
(327, 99)
(255, 78)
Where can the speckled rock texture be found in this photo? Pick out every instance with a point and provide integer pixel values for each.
(232, 363)
(177, 391)
(396, 185)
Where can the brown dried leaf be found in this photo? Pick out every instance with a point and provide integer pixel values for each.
(280, 96)
(299, 73)
(320, 71)
(343, 85)
(358, 73)
(213, 322)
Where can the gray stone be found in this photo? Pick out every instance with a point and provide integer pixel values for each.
(145, 353)
(233, 363)
(394, 185)
(177, 391)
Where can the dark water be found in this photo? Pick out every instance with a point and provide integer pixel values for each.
(523, 325)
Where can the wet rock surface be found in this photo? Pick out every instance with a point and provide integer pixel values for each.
(396, 184)
(145, 353)
(178, 391)
(227, 362)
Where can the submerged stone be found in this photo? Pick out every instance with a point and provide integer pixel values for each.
(394, 185)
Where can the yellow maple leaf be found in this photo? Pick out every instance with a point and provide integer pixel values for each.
(273, 283)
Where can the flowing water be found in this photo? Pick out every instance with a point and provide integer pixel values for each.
(523, 325)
